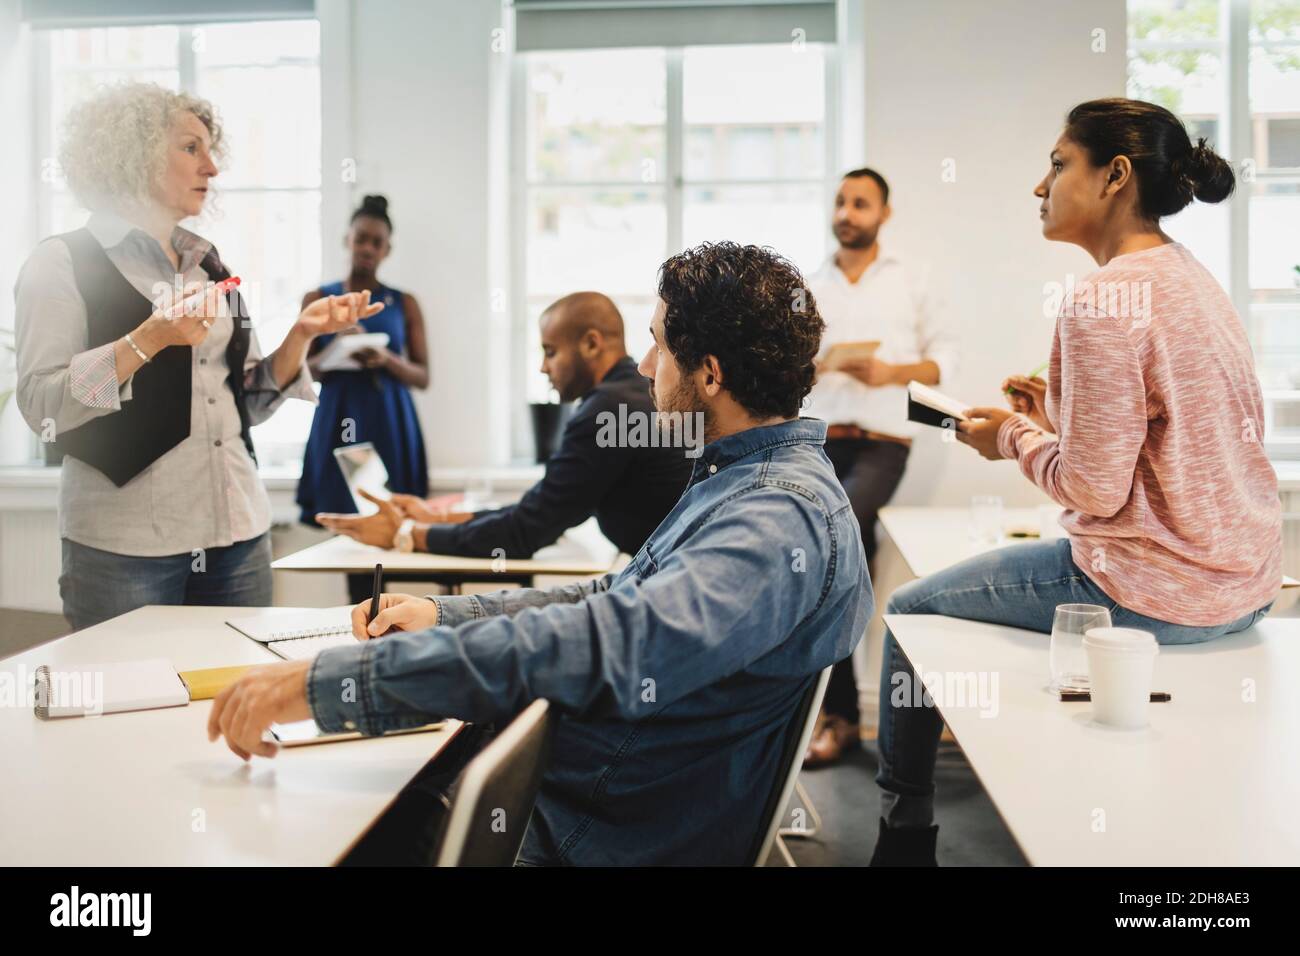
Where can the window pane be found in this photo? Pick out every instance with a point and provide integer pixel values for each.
(1275, 336)
(269, 239)
(1187, 82)
(1204, 230)
(792, 220)
(1274, 20)
(610, 241)
(1275, 104)
(596, 116)
(1274, 235)
(1163, 20)
(264, 43)
(754, 112)
(271, 121)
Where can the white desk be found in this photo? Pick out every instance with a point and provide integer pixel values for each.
(131, 789)
(343, 555)
(1213, 781)
(931, 539)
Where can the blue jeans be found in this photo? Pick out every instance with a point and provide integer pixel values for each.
(1019, 586)
(97, 585)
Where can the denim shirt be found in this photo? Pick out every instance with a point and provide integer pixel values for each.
(676, 679)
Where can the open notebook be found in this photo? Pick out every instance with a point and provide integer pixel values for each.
(930, 406)
(295, 633)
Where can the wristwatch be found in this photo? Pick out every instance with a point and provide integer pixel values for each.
(404, 541)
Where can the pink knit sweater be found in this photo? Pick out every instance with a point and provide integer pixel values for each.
(1172, 504)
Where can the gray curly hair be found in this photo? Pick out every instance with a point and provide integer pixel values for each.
(115, 143)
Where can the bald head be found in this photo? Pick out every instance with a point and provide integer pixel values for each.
(581, 312)
(582, 339)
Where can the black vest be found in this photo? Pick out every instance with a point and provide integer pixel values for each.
(157, 418)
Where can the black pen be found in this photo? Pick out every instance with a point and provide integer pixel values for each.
(377, 590)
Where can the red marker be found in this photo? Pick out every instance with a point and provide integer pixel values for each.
(191, 303)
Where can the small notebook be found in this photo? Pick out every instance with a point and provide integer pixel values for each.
(842, 353)
(108, 688)
(931, 407)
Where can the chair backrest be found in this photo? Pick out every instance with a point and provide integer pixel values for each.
(796, 742)
(494, 798)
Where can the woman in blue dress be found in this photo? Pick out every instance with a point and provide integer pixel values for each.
(371, 403)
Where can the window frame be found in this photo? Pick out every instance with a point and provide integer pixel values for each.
(187, 66)
(1237, 134)
(673, 184)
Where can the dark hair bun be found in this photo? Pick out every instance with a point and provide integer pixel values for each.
(374, 207)
(1210, 174)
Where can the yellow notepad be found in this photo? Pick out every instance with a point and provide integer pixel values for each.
(208, 682)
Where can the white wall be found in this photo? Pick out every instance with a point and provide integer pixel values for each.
(986, 85)
(417, 111)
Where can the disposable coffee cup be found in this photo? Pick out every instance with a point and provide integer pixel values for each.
(1120, 661)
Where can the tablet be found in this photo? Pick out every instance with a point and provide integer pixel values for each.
(363, 468)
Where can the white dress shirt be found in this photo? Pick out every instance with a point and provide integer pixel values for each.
(205, 492)
(890, 303)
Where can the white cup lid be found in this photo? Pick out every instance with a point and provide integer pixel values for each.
(1120, 639)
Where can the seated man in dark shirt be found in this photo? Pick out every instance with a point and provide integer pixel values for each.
(628, 485)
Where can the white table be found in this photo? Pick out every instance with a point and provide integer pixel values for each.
(148, 789)
(343, 555)
(1214, 781)
(932, 539)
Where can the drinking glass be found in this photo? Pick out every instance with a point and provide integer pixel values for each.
(1066, 656)
(986, 519)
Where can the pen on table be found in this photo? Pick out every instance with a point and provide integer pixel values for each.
(1034, 374)
(1157, 696)
(377, 590)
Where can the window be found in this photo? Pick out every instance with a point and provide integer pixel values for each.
(1231, 70)
(264, 80)
(624, 157)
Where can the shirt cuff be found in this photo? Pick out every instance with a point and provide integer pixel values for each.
(338, 688)
(442, 538)
(458, 609)
(1009, 435)
(93, 378)
(343, 693)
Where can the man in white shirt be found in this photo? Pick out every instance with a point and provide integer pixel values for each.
(866, 294)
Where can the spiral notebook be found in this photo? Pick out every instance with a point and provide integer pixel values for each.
(295, 633)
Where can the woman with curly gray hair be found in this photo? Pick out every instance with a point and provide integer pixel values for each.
(147, 374)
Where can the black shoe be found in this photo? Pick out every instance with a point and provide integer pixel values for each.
(905, 846)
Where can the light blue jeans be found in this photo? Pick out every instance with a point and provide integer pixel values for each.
(97, 585)
(1019, 586)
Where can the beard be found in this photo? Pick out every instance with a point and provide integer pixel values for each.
(685, 398)
(852, 237)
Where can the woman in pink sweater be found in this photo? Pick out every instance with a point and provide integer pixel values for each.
(1149, 434)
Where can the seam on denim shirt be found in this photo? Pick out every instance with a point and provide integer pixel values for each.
(602, 784)
(476, 606)
(311, 685)
(367, 678)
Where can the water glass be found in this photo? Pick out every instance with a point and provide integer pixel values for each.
(1066, 657)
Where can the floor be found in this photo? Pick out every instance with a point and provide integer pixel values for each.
(846, 795)
(970, 831)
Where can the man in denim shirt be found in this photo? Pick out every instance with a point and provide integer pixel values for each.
(676, 679)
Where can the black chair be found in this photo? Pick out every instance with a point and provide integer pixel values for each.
(495, 795)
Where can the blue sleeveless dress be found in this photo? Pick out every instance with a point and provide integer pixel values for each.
(382, 412)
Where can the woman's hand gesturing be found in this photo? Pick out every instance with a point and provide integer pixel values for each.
(334, 313)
